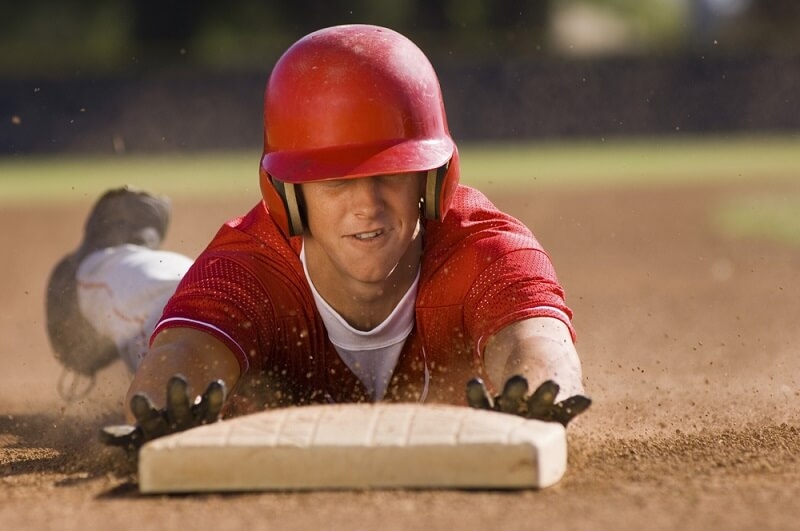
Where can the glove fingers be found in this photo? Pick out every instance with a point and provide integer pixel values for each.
(546, 393)
(540, 403)
(179, 411)
(512, 399)
(149, 419)
(208, 409)
(477, 395)
(568, 409)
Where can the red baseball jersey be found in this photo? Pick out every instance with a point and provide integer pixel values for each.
(481, 270)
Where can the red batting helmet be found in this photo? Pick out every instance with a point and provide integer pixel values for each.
(354, 101)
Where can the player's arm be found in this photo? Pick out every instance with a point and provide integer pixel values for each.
(538, 348)
(199, 357)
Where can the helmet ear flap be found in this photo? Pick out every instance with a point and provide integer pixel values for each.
(282, 202)
(288, 194)
(439, 187)
(433, 196)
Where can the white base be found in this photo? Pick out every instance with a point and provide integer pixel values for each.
(357, 446)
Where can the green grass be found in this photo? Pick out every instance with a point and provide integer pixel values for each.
(635, 162)
(501, 167)
(62, 177)
(684, 161)
(582, 164)
(765, 216)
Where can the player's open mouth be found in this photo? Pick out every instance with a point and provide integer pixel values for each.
(368, 235)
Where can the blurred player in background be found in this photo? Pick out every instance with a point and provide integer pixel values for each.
(366, 273)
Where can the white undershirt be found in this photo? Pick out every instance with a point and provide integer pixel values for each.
(371, 355)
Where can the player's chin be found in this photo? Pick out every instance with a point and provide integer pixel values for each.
(373, 269)
(371, 276)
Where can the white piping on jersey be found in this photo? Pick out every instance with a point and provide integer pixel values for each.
(554, 309)
(203, 324)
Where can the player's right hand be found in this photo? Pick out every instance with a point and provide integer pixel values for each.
(514, 399)
(178, 415)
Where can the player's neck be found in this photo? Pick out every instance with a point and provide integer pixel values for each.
(365, 305)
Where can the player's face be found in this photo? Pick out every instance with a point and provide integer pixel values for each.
(363, 230)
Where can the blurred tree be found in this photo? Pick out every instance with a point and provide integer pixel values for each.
(479, 28)
(163, 29)
(618, 27)
(774, 25)
(166, 22)
(744, 26)
(304, 16)
(519, 24)
(518, 14)
(431, 15)
(50, 36)
(54, 36)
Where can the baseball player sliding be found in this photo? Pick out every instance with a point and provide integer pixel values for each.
(365, 273)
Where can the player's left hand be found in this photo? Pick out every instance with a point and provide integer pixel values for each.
(514, 399)
(178, 415)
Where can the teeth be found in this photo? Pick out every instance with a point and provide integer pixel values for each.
(367, 235)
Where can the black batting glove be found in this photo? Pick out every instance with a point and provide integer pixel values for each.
(514, 399)
(178, 415)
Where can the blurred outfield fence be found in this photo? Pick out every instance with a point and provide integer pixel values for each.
(498, 100)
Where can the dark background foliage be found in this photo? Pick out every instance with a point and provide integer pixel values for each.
(132, 75)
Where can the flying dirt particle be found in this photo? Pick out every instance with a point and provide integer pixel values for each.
(16, 120)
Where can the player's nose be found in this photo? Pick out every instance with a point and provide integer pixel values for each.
(366, 197)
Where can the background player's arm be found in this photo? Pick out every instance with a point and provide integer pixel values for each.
(199, 357)
(539, 348)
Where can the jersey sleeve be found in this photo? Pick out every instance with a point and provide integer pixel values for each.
(518, 285)
(241, 289)
(490, 265)
(218, 295)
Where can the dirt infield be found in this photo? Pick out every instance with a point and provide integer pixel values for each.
(690, 349)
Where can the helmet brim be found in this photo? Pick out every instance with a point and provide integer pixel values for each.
(352, 162)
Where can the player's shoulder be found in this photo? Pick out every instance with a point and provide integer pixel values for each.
(473, 219)
(466, 199)
(255, 231)
(471, 207)
(473, 235)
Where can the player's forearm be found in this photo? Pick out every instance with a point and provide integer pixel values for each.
(539, 349)
(546, 359)
(199, 357)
